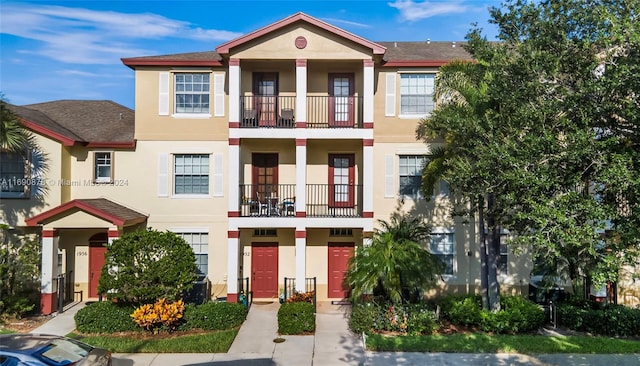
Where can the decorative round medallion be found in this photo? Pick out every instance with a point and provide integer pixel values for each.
(301, 42)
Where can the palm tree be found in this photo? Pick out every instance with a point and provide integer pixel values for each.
(462, 110)
(13, 136)
(396, 264)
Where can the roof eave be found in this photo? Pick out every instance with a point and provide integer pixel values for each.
(133, 62)
(64, 140)
(119, 145)
(416, 63)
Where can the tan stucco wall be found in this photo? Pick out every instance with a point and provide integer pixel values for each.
(151, 126)
(320, 45)
(48, 191)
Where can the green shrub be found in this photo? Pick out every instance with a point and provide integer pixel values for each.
(518, 315)
(296, 318)
(146, 265)
(412, 319)
(466, 311)
(214, 316)
(105, 317)
(608, 320)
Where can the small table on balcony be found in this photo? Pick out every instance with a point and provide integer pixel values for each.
(273, 207)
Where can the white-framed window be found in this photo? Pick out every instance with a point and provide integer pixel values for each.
(503, 259)
(410, 174)
(192, 92)
(103, 167)
(442, 245)
(199, 242)
(416, 94)
(190, 174)
(13, 175)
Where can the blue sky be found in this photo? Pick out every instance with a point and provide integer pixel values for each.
(52, 50)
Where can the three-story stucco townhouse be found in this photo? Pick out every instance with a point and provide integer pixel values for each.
(274, 156)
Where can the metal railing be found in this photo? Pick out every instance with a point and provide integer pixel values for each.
(309, 286)
(65, 293)
(267, 111)
(272, 111)
(245, 297)
(267, 200)
(334, 200)
(322, 200)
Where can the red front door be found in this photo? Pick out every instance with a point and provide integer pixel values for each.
(264, 270)
(96, 262)
(341, 100)
(341, 180)
(339, 255)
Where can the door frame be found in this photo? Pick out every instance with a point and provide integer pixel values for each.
(350, 203)
(256, 192)
(266, 106)
(350, 100)
(255, 245)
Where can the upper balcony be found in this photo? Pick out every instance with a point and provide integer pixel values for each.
(271, 111)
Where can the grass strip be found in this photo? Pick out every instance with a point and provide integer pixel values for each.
(487, 343)
(215, 342)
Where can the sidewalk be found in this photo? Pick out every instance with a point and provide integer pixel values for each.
(332, 344)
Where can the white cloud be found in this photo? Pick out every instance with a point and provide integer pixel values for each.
(347, 22)
(83, 36)
(412, 11)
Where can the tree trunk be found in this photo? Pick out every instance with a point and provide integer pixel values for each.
(492, 259)
(484, 279)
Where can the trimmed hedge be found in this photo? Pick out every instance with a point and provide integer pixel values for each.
(412, 319)
(517, 314)
(105, 317)
(609, 320)
(109, 317)
(214, 316)
(296, 318)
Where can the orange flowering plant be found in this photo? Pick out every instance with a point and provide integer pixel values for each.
(152, 317)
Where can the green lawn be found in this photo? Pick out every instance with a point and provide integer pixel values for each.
(212, 342)
(487, 343)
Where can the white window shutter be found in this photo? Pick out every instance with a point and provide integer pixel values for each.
(163, 94)
(390, 95)
(389, 176)
(218, 182)
(218, 95)
(163, 175)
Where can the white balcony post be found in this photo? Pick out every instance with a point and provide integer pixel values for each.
(301, 177)
(301, 259)
(234, 92)
(301, 93)
(49, 271)
(233, 257)
(368, 90)
(367, 179)
(234, 177)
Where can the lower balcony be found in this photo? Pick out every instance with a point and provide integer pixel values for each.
(322, 200)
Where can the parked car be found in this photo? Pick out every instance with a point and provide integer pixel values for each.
(49, 350)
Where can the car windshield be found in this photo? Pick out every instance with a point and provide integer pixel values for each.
(65, 351)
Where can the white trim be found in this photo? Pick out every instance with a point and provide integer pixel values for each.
(218, 95)
(188, 230)
(301, 178)
(367, 178)
(234, 93)
(234, 178)
(368, 92)
(301, 263)
(190, 196)
(301, 93)
(192, 115)
(233, 258)
(163, 93)
(414, 116)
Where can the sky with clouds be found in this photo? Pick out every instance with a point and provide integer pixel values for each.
(52, 50)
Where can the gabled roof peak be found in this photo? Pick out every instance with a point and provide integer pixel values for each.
(225, 48)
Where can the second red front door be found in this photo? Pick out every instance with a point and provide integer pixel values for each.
(339, 256)
(264, 270)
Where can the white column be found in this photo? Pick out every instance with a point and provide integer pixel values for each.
(301, 175)
(233, 245)
(112, 234)
(301, 91)
(234, 175)
(234, 90)
(367, 103)
(301, 259)
(367, 179)
(49, 261)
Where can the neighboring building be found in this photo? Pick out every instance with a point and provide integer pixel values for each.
(273, 156)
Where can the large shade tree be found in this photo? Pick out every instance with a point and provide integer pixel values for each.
(554, 145)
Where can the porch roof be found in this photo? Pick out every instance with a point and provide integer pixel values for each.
(102, 208)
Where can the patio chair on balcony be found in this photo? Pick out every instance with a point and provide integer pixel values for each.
(289, 206)
(250, 118)
(286, 118)
(258, 207)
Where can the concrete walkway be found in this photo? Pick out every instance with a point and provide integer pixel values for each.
(332, 344)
